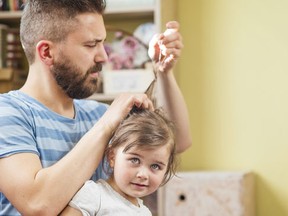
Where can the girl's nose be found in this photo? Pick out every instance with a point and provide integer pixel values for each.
(142, 173)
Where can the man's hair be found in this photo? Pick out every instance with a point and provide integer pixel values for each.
(144, 129)
(52, 20)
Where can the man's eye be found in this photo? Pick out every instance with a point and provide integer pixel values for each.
(90, 45)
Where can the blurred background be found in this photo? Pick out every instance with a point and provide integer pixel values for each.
(234, 73)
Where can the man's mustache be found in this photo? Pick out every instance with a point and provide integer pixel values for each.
(95, 68)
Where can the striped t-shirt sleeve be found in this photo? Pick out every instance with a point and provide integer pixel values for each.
(16, 129)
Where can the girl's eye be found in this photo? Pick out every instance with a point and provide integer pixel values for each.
(155, 167)
(135, 160)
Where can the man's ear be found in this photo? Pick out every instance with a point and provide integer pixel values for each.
(43, 50)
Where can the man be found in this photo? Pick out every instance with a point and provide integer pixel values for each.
(50, 140)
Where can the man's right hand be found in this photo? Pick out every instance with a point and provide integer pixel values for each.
(121, 107)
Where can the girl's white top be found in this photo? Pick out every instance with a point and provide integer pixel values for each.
(99, 198)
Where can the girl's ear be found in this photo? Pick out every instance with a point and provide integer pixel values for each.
(111, 157)
(43, 50)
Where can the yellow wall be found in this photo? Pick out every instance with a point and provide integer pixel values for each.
(234, 76)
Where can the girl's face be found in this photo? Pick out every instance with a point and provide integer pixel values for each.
(138, 172)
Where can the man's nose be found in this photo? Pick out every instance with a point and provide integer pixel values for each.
(101, 55)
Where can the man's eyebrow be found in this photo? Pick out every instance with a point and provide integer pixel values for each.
(95, 41)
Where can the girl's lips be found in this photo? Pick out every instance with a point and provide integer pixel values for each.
(139, 185)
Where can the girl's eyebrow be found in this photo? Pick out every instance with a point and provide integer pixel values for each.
(161, 163)
(134, 154)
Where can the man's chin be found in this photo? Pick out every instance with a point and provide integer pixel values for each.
(81, 94)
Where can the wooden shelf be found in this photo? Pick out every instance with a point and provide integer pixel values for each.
(10, 17)
(146, 11)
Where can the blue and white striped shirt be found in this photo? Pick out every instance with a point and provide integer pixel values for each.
(28, 126)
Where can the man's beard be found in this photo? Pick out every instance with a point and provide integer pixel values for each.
(69, 77)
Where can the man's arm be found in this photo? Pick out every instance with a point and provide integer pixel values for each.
(164, 50)
(35, 190)
(171, 99)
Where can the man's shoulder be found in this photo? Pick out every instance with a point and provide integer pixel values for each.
(14, 109)
(11, 100)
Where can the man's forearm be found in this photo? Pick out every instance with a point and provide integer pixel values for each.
(171, 99)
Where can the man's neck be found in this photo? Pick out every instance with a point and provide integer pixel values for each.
(46, 91)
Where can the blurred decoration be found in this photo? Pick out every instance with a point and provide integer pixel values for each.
(129, 68)
(129, 50)
(11, 5)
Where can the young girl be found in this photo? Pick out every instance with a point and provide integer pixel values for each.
(141, 157)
